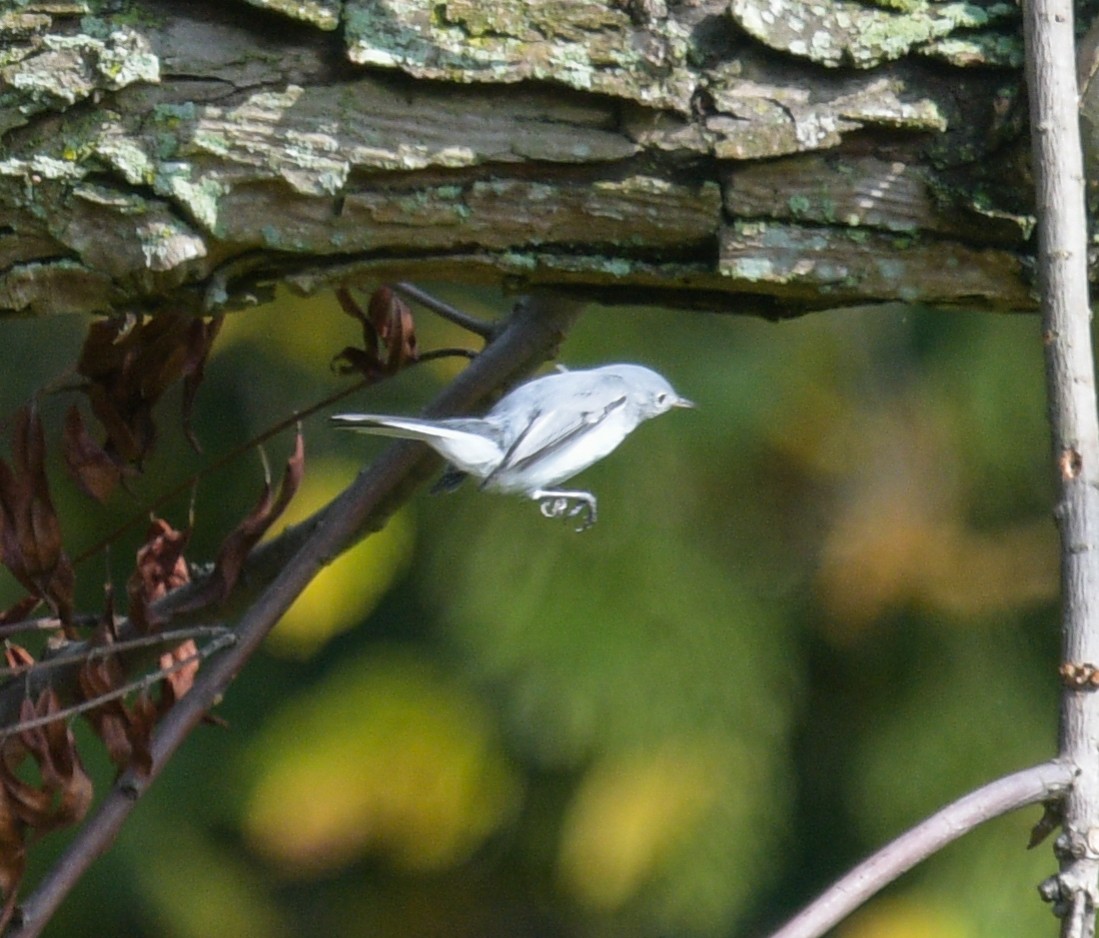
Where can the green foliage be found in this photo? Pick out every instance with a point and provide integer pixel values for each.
(812, 610)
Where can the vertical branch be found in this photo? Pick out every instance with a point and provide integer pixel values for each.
(1070, 375)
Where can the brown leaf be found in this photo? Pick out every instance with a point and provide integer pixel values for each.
(18, 611)
(142, 715)
(130, 363)
(392, 318)
(126, 731)
(30, 534)
(235, 548)
(17, 656)
(64, 792)
(387, 323)
(365, 360)
(13, 846)
(160, 569)
(178, 682)
(90, 465)
(351, 360)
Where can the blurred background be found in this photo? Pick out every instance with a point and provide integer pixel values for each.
(813, 610)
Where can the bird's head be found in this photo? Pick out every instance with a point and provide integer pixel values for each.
(651, 392)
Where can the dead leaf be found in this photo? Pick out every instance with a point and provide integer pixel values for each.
(13, 847)
(160, 564)
(392, 317)
(179, 681)
(60, 797)
(388, 324)
(18, 611)
(160, 568)
(17, 657)
(30, 533)
(126, 731)
(90, 465)
(235, 548)
(64, 792)
(130, 363)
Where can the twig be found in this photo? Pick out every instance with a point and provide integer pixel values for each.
(1039, 783)
(223, 460)
(146, 680)
(460, 318)
(530, 336)
(437, 353)
(237, 451)
(1070, 378)
(46, 624)
(92, 652)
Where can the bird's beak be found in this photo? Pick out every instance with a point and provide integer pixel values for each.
(683, 402)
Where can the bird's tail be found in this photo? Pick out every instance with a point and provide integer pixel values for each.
(407, 428)
(456, 440)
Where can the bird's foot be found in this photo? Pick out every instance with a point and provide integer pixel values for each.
(568, 505)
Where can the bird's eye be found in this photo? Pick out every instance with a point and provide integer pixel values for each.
(661, 398)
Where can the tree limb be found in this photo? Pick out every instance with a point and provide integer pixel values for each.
(190, 156)
(1070, 379)
(1039, 783)
(529, 338)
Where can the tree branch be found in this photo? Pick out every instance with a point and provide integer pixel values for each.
(1070, 377)
(529, 338)
(1039, 783)
(693, 155)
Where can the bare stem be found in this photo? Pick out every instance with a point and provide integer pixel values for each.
(530, 336)
(217, 643)
(445, 310)
(1070, 379)
(154, 640)
(1040, 783)
(237, 451)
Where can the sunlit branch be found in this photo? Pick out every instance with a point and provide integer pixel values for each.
(1030, 786)
(1062, 241)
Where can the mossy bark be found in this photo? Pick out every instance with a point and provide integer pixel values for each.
(765, 157)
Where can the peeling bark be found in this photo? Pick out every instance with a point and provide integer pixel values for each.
(767, 157)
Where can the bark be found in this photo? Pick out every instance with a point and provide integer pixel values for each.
(756, 155)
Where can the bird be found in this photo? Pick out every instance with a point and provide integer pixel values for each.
(540, 434)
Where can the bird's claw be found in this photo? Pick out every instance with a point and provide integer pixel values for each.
(558, 506)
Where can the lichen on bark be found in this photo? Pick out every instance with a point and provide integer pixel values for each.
(158, 154)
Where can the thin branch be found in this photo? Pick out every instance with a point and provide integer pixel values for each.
(237, 451)
(47, 624)
(529, 337)
(223, 460)
(460, 318)
(1074, 424)
(1030, 786)
(216, 644)
(172, 636)
(437, 353)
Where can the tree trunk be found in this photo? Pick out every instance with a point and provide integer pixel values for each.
(746, 156)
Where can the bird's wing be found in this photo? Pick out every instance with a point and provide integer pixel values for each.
(549, 431)
(470, 444)
(451, 478)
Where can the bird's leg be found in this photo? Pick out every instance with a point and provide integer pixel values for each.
(557, 503)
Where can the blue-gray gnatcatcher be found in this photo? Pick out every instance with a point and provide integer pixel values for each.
(540, 434)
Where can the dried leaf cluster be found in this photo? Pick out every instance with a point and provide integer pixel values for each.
(126, 366)
(389, 335)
